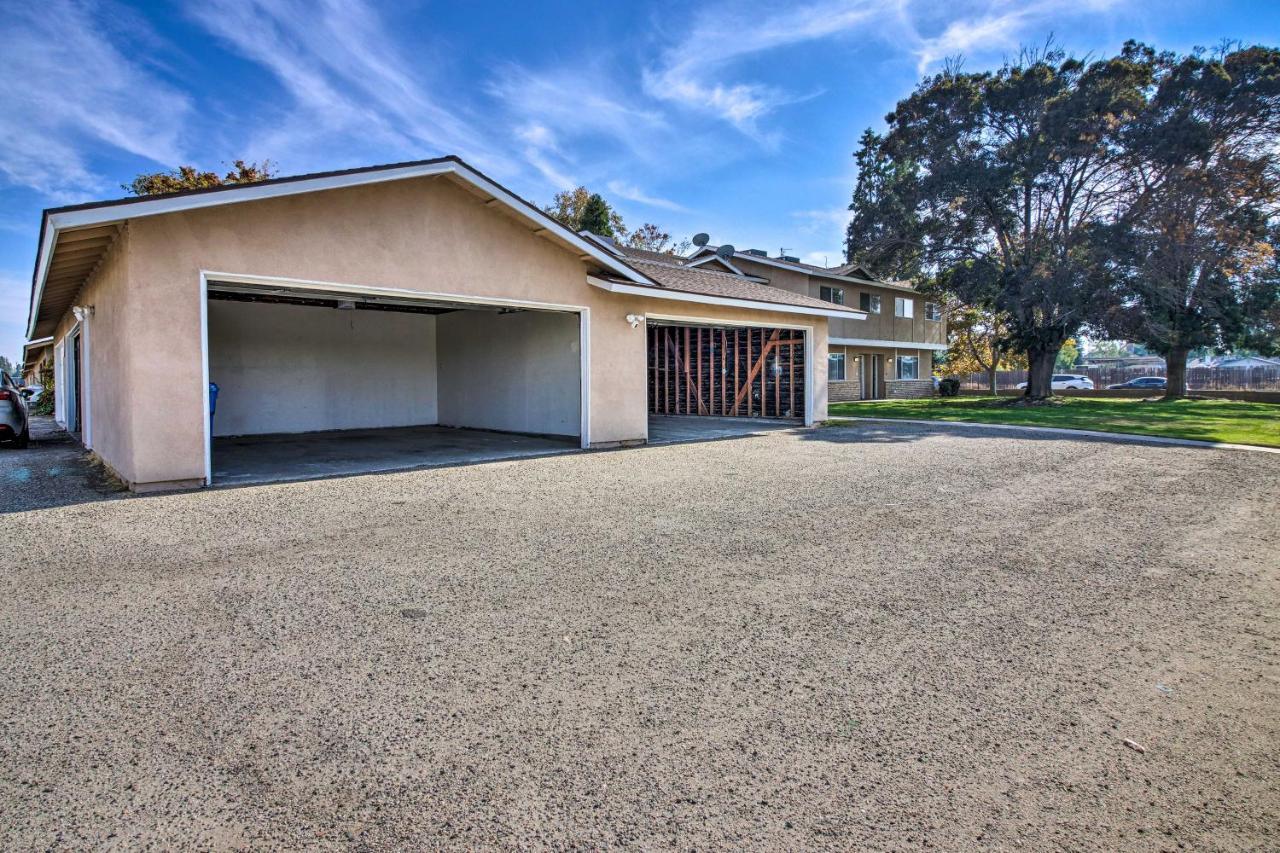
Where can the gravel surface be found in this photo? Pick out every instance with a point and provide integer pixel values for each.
(880, 637)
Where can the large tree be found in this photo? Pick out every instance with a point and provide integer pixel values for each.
(569, 207)
(882, 236)
(1010, 173)
(579, 209)
(1195, 259)
(191, 178)
(595, 217)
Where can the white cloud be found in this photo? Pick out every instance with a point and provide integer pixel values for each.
(15, 294)
(350, 83)
(630, 192)
(70, 91)
(688, 72)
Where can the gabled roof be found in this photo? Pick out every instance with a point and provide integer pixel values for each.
(91, 228)
(673, 278)
(846, 273)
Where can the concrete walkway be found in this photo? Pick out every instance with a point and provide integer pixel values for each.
(243, 460)
(1070, 433)
(668, 429)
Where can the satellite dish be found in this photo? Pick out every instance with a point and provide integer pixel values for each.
(725, 252)
(701, 240)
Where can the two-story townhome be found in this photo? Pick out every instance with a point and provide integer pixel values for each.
(889, 354)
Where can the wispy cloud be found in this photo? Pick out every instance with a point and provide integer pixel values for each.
(630, 192)
(348, 78)
(71, 91)
(692, 72)
(995, 27)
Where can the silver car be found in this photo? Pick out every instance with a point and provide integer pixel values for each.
(14, 425)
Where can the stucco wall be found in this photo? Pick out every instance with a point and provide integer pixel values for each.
(294, 368)
(427, 234)
(108, 358)
(519, 372)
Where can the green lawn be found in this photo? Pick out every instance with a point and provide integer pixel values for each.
(1206, 420)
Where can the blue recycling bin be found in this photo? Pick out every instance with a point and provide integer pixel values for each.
(213, 402)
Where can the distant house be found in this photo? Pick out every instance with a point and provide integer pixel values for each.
(1234, 361)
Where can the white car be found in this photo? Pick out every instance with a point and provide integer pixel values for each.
(1068, 382)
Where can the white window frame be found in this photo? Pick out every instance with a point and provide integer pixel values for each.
(837, 358)
(907, 359)
(933, 312)
(873, 303)
(904, 307)
(831, 293)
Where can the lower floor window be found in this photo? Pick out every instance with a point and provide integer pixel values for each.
(835, 367)
(909, 367)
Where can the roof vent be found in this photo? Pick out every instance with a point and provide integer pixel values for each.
(759, 253)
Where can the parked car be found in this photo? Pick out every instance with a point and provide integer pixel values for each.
(33, 395)
(1068, 382)
(13, 412)
(1151, 383)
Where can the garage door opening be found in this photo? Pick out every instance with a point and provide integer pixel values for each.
(313, 384)
(727, 371)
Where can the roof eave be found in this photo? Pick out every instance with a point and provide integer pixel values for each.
(660, 292)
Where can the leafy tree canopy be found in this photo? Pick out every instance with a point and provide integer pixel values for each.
(190, 178)
(579, 209)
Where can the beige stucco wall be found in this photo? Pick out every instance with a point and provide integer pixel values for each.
(425, 234)
(111, 326)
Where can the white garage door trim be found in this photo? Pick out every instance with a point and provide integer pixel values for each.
(305, 285)
(810, 390)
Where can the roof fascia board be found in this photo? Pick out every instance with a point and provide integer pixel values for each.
(729, 302)
(867, 342)
(57, 222)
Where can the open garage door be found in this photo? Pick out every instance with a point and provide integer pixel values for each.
(729, 371)
(312, 383)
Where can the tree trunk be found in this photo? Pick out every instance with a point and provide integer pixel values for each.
(1040, 362)
(1175, 371)
(992, 382)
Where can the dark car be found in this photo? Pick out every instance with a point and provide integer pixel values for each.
(1149, 383)
(13, 412)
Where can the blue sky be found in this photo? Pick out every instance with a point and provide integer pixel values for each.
(734, 118)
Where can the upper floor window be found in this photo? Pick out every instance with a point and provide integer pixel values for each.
(903, 307)
(835, 367)
(834, 295)
(932, 311)
(869, 302)
(908, 367)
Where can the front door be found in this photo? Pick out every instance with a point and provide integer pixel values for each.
(872, 378)
(74, 366)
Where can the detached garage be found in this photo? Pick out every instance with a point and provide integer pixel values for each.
(387, 317)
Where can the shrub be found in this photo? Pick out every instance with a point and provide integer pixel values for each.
(949, 387)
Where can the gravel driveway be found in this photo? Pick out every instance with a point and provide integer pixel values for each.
(881, 637)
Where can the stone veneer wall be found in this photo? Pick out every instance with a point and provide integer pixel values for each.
(845, 391)
(904, 389)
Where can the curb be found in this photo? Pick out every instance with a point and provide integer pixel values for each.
(1124, 437)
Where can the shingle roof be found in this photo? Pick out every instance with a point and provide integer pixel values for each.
(676, 276)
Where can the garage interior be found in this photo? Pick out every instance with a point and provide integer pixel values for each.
(726, 371)
(317, 384)
(708, 382)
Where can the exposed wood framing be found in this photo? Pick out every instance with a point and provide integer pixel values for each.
(727, 372)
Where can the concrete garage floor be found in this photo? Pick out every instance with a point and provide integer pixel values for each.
(675, 429)
(874, 637)
(243, 460)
